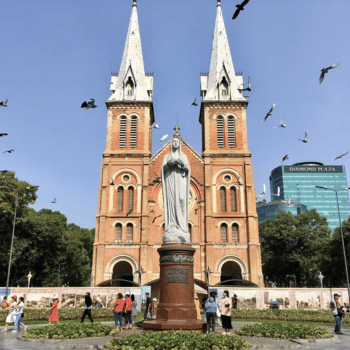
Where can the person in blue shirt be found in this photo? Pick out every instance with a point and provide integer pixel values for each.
(210, 307)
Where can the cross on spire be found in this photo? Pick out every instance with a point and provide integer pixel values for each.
(177, 128)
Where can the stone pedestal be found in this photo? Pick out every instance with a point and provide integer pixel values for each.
(176, 308)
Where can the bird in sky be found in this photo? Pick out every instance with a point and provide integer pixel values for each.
(249, 86)
(325, 70)
(90, 104)
(54, 201)
(285, 158)
(156, 126)
(278, 192)
(4, 103)
(282, 125)
(341, 155)
(3, 134)
(240, 7)
(305, 138)
(269, 113)
(194, 103)
(9, 151)
(262, 193)
(163, 138)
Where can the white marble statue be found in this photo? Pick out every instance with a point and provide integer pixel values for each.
(176, 174)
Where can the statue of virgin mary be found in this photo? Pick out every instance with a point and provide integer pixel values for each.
(176, 174)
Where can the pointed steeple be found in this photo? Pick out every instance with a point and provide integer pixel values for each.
(131, 83)
(221, 83)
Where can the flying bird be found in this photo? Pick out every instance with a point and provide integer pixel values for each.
(305, 138)
(87, 105)
(285, 158)
(4, 103)
(278, 192)
(325, 70)
(163, 138)
(262, 193)
(9, 151)
(54, 201)
(156, 126)
(341, 155)
(240, 7)
(269, 113)
(194, 103)
(282, 125)
(249, 86)
(3, 134)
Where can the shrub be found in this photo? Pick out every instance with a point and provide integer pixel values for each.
(70, 331)
(177, 340)
(283, 330)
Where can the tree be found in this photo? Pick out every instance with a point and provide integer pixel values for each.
(294, 245)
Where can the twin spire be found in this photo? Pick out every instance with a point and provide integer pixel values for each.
(131, 83)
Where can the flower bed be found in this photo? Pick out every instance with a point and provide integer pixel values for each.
(70, 331)
(283, 330)
(64, 314)
(177, 340)
(287, 315)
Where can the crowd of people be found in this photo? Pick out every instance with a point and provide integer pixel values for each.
(125, 310)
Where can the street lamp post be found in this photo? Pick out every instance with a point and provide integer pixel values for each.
(13, 232)
(207, 272)
(140, 271)
(341, 233)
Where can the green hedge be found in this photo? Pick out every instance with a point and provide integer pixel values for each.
(287, 315)
(70, 331)
(177, 340)
(283, 330)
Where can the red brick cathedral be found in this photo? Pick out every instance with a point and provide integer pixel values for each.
(223, 222)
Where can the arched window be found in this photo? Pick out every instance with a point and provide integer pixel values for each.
(233, 199)
(133, 132)
(129, 87)
(130, 199)
(190, 231)
(129, 232)
(120, 199)
(231, 131)
(220, 131)
(223, 199)
(235, 236)
(223, 231)
(122, 132)
(118, 232)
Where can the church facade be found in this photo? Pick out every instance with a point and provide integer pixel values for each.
(223, 221)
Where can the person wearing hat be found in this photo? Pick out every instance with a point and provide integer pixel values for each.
(11, 317)
(338, 312)
(54, 313)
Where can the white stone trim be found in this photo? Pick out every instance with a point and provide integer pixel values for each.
(232, 257)
(225, 116)
(118, 258)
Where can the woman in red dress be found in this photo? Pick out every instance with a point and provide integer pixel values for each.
(54, 313)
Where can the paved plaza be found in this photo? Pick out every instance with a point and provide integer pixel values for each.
(9, 341)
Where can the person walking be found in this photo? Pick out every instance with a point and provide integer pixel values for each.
(134, 308)
(87, 309)
(196, 303)
(225, 309)
(54, 310)
(11, 317)
(210, 307)
(19, 312)
(118, 311)
(338, 312)
(127, 311)
(148, 306)
(4, 303)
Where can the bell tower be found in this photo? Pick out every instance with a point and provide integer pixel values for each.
(231, 220)
(121, 223)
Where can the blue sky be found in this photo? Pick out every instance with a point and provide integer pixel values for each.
(57, 54)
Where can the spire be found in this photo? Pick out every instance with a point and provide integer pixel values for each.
(221, 83)
(131, 83)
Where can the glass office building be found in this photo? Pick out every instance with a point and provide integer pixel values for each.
(269, 210)
(298, 182)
